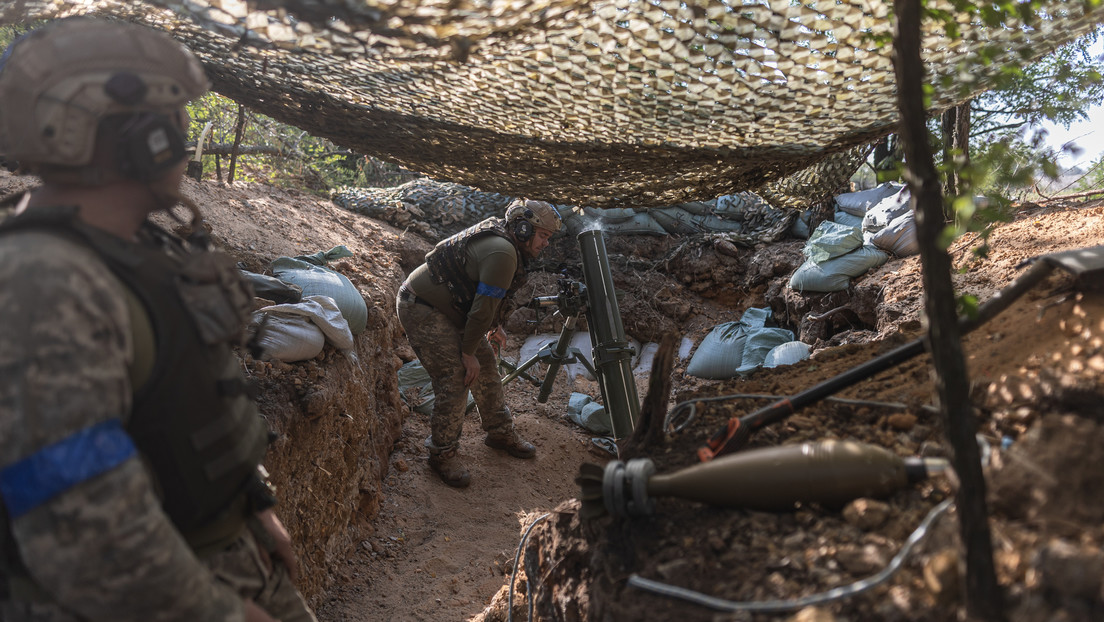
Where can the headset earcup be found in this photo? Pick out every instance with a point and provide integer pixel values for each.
(523, 230)
(149, 146)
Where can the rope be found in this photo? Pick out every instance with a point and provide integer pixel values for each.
(773, 606)
(513, 574)
(690, 404)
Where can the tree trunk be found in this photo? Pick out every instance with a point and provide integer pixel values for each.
(239, 129)
(949, 121)
(956, 142)
(984, 599)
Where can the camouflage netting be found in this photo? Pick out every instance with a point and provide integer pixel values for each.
(605, 103)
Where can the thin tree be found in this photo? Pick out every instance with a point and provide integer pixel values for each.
(984, 599)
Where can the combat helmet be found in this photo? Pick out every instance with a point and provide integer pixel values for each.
(59, 81)
(523, 215)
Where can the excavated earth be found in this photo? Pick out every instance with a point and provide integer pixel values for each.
(379, 537)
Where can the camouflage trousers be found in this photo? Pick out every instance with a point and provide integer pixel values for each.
(436, 341)
(242, 566)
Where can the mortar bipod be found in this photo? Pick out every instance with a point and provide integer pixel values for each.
(569, 304)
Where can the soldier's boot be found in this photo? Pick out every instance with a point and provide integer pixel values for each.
(511, 443)
(448, 466)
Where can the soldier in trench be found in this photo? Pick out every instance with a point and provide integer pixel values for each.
(452, 307)
(131, 486)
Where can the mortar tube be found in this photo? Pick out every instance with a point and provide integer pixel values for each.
(611, 350)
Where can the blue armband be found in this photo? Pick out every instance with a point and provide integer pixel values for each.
(52, 470)
(490, 291)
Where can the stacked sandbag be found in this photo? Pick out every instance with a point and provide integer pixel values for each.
(787, 354)
(891, 225)
(835, 254)
(858, 203)
(309, 272)
(298, 331)
(736, 347)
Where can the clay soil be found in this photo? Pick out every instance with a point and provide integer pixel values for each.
(381, 538)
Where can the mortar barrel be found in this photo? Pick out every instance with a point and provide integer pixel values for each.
(612, 352)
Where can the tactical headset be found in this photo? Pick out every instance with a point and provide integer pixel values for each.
(523, 229)
(149, 143)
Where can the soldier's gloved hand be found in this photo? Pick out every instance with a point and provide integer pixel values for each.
(253, 613)
(281, 540)
(471, 368)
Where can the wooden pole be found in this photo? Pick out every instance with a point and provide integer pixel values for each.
(239, 129)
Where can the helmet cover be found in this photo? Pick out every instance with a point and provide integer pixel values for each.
(54, 85)
(538, 213)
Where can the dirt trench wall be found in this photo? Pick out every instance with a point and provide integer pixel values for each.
(336, 419)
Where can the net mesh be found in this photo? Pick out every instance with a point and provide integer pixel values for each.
(604, 103)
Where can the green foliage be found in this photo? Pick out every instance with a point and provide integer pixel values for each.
(11, 32)
(1094, 178)
(281, 154)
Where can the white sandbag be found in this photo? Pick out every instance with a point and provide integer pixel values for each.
(847, 220)
(644, 362)
(835, 274)
(323, 312)
(887, 210)
(288, 338)
(533, 345)
(858, 203)
(685, 346)
(759, 343)
(787, 354)
(899, 237)
(583, 410)
(831, 240)
(581, 340)
(720, 352)
(321, 281)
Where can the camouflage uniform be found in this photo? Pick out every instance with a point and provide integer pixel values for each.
(101, 548)
(448, 314)
(436, 341)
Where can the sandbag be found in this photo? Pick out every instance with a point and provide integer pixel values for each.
(899, 236)
(583, 410)
(644, 362)
(802, 225)
(289, 338)
(319, 280)
(847, 220)
(787, 354)
(759, 343)
(685, 346)
(272, 288)
(858, 203)
(720, 352)
(835, 274)
(416, 387)
(323, 312)
(887, 210)
(831, 240)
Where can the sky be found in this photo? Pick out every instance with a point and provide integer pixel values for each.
(1088, 135)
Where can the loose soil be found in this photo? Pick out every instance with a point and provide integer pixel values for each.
(380, 537)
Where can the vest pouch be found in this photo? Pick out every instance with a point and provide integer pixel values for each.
(218, 299)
